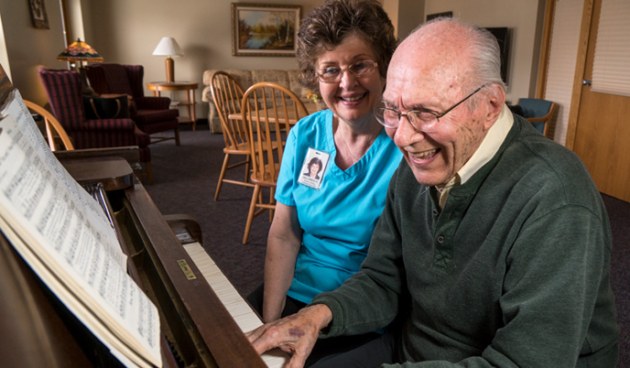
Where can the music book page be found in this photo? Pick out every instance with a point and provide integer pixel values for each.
(17, 109)
(67, 246)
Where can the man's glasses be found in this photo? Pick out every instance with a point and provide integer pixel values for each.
(422, 119)
(332, 74)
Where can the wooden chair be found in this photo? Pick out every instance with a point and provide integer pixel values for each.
(52, 126)
(269, 111)
(227, 96)
(538, 112)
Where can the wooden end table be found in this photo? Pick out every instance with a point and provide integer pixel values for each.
(158, 87)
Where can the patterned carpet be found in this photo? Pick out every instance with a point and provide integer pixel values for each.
(185, 181)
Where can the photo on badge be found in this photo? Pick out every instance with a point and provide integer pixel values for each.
(313, 168)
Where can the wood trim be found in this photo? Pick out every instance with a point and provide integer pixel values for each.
(580, 66)
(67, 28)
(545, 49)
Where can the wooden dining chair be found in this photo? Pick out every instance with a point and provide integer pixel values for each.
(270, 111)
(227, 96)
(52, 127)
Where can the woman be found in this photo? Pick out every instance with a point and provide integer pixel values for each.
(320, 233)
(313, 168)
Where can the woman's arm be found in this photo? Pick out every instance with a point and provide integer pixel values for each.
(283, 245)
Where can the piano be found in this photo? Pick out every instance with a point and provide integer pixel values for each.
(202, 316)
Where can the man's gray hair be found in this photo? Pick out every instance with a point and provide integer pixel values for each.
(485, 56)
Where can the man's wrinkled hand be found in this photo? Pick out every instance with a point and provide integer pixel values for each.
(295, 334)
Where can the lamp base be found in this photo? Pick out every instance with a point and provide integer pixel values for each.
(169, 63)
(86, 90)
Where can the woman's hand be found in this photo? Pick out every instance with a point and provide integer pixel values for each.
(295, 334)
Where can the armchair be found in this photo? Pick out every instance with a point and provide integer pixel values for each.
(538, 112)
(151, 114)
(63, 89)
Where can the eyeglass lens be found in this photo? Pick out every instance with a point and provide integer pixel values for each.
(359, 69)
(423, 120)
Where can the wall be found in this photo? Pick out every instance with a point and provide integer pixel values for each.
(524, 19)
(29, 47)
(128, 32)
(406, 15)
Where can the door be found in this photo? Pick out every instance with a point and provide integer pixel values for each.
(602, 131)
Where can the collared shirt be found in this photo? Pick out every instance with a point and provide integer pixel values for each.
(487, 149)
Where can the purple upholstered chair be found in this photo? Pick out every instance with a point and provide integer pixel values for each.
(63, 88)
(151, 114)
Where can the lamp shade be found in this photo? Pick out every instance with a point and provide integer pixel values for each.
(168, 46)
(79, 51)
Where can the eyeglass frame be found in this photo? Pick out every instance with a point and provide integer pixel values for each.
(342, 70)
(406, 114)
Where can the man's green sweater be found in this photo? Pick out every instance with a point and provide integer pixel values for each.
(513, 272)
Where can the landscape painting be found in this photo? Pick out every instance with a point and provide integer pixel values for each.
(264, 30)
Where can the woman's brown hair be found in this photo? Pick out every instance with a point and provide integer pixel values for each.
(327, 26)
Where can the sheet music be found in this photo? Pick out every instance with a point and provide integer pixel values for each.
(73, 305)
(17, 109)
(58, 228)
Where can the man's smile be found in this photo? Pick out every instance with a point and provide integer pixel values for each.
(424, 155)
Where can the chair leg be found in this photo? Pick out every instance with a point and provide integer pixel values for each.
(250, 216)
(147, 167)
(222, 175)
(247, 168)
(272, 200)
(177, 136)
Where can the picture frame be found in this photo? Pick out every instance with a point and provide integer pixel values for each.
(448, 14)
(38, 14)
(265, 29)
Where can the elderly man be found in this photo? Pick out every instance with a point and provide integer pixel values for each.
(493, 249)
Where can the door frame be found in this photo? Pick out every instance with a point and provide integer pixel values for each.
(580, 66)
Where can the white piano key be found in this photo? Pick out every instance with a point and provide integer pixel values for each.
(238, 308)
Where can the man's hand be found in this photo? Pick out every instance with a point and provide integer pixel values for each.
(295, 334)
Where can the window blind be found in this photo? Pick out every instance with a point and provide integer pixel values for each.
(611, 67)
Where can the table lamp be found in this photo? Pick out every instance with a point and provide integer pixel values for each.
(168, 46)
(80, 51)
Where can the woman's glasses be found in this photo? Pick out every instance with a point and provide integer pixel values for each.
(332, 74)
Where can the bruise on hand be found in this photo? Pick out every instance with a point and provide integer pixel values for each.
(296, 332)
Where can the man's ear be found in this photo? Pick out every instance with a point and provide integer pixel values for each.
(494, 104)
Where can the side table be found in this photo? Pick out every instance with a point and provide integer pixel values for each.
(158, 87)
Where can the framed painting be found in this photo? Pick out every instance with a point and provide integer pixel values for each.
(438, 15)
(38, 14)
(264, 30)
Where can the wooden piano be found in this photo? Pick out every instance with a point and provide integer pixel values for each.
(201, 324)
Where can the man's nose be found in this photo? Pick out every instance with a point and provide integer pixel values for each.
(406, 134)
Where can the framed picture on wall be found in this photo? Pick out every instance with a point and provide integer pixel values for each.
(437, 15)
(38, 14)
(264, 30)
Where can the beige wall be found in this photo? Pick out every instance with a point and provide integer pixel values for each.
(524, 19)
(406, 15)
(128, 32)
(29, 47)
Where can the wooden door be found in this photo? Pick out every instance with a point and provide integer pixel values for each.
(602, 128)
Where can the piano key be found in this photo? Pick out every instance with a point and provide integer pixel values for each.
(238, 308)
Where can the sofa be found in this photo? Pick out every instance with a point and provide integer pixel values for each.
(247, 78)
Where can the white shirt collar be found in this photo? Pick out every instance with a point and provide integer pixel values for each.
(489, 146)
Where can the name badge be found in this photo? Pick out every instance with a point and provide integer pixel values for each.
(313, 168)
